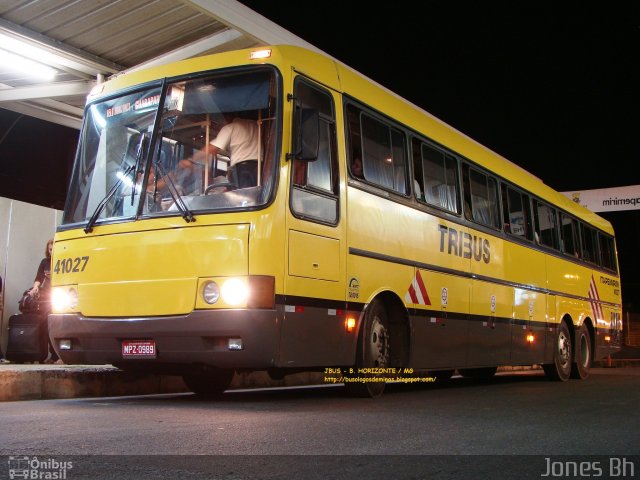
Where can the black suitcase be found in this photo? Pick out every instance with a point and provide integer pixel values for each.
(28, 340)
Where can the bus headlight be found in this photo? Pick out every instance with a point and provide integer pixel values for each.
(252, 291)
(64, 299)
(234, 292)
(211, 292)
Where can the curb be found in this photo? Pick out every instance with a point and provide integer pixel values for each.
(45, 382)
(49, 383)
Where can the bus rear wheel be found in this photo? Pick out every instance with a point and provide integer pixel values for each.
(582, 365)
(209, 384)
(372, 354)
(560, 369)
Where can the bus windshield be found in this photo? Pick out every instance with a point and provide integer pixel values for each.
(184, 148)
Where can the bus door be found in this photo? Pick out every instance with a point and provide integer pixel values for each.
(313, 329)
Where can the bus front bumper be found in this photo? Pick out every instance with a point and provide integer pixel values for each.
(198, 338)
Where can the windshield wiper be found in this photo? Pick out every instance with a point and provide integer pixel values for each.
(135, 168)
(139, 154)
(175, 195)
(89, 227)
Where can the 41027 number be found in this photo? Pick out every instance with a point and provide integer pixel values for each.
(71, 265)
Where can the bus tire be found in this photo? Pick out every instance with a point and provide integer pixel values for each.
(372, 352)
(560, 369)
(209, 384)
(582, 365)
(479, 373)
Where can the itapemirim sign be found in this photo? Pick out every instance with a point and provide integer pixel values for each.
(608, 199)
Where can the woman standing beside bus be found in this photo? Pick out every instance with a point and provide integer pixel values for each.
(41, 284)
(42, 290)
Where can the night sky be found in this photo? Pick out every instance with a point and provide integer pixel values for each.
(554, 89)
(552, 86)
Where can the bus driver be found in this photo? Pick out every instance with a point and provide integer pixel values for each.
(239, 139)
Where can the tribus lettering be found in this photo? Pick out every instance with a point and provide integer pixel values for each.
(463, 244)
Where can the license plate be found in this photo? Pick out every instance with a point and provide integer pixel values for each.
(138, 349)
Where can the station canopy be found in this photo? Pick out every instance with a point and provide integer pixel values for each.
(52, 52)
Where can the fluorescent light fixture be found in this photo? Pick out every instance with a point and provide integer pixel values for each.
(25, 66)
(28, 50)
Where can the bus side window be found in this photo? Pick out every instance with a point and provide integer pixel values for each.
(607, 252)
(528, 218)
(546, 225)
(516, 213)
(570, 238)
(481, 198)
(440, 177)
(589, 244)
(384, 154)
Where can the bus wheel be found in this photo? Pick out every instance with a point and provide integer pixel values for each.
(479, 373)
(209, 384)
(373, 353)
(582, 364)
(560, 369)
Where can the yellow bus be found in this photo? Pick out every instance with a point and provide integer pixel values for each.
(369, 239)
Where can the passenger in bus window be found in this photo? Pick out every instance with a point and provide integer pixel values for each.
(356, 167)
(239, 139)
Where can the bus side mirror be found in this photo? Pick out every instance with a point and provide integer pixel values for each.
(308, 139)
